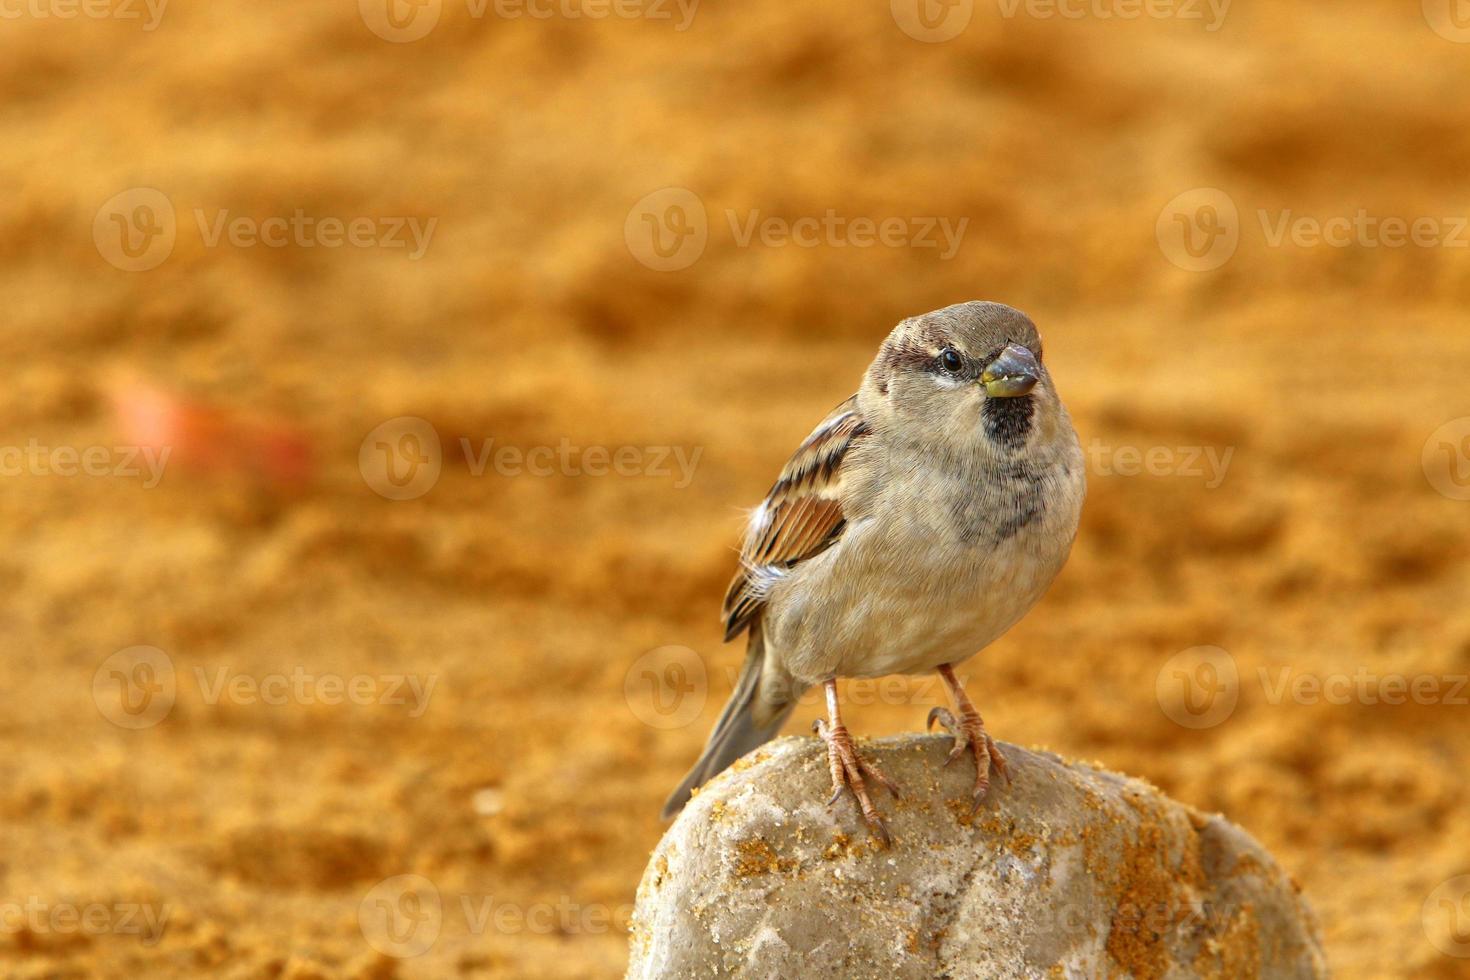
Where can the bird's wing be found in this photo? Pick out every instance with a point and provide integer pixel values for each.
(800, 517)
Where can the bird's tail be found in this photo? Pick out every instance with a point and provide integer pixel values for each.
(752, 717)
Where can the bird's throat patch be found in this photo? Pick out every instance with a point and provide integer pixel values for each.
(1008, 420)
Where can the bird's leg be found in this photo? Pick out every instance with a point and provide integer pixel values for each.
(969, 733)
(849, 768)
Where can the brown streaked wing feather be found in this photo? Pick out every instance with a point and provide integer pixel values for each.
(802, 514)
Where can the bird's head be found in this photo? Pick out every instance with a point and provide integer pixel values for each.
(965, 379)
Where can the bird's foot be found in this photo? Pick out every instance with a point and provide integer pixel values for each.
(848, 769)
(969, 733)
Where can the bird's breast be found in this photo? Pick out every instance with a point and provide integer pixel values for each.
(932, 574)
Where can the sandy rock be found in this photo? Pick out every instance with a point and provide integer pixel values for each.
(1069, 872)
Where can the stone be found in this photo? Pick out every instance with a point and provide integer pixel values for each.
(1069, 871)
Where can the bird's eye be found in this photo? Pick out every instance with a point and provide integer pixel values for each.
(950, 360)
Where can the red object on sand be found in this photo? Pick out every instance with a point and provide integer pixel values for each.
(210, 439)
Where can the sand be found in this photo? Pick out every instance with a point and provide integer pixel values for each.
(265, 812)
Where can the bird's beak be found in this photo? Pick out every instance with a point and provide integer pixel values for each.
(1012, 374)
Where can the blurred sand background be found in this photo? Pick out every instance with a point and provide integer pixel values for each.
(530, 781)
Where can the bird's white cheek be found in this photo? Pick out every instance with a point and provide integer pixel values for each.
(948, 382)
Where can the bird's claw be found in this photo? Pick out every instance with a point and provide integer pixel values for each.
(961, 737)
(970, 734)
(848, 769)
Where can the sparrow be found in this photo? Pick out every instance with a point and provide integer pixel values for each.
(920, 521)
